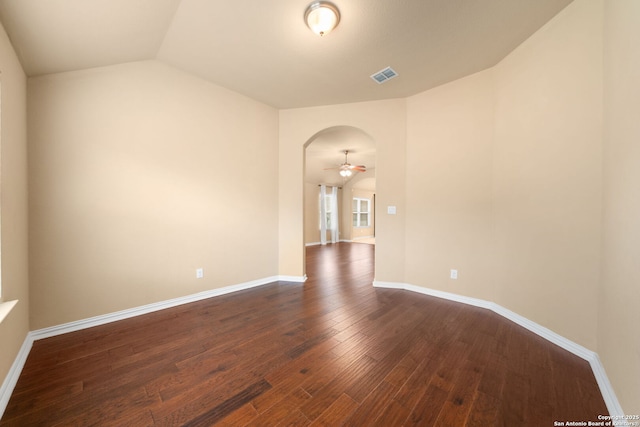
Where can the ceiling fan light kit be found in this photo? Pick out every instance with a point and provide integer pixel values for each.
(346, 169)
(322, 17)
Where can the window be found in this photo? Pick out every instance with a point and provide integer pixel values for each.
(329, 214)
(361, 212)
(328, 209)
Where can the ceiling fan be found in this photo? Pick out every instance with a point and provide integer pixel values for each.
(346, 169)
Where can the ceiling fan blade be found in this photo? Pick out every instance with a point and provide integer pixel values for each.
(359, 168)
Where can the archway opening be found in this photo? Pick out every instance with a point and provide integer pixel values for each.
(351, 217)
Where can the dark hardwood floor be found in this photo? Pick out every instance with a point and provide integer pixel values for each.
(334, 351)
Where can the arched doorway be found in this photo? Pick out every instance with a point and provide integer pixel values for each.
(324, 153)
(385, 123)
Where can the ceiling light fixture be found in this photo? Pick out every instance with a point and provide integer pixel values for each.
(322, 17)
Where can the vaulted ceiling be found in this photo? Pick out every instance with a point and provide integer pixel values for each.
(264, 50)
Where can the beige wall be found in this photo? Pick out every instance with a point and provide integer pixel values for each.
(619, 297)
(14, 233)
(135, 183)
(311, 214)
(547, 174)
(504, 179)
(533, 125)
(385, 122)
(449, 160)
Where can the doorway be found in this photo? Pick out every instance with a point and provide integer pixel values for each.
(327, 156)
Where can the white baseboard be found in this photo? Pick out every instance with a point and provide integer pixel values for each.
(606, 389)
(328, 243)
(14, 373)
(11, 379)
(149, 308)
(609, 396)
(295, 279)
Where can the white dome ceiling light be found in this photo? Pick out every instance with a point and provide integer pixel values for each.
(322, 17)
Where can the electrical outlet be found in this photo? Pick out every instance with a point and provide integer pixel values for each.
(454, 274)
(199, 273)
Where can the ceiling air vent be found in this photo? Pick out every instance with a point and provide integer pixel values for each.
(384, 75)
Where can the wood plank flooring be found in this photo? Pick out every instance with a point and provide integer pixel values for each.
(334, 351)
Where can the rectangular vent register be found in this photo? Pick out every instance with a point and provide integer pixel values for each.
(384, 75)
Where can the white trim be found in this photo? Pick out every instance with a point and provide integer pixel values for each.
(606, 389)
(295, 279)
(6, 307)
(149, 308)
(11, 379)
(609, 396)
(14, 373)
(328, 243)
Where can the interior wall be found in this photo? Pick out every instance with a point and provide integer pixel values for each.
(504, 179)
(311, 214)
(13, 181)
(385, 122)
(136, 181)
(449, 187)
(619, 297)
(345, 213)
(547, 174)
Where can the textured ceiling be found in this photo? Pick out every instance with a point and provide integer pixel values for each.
(264, 50)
